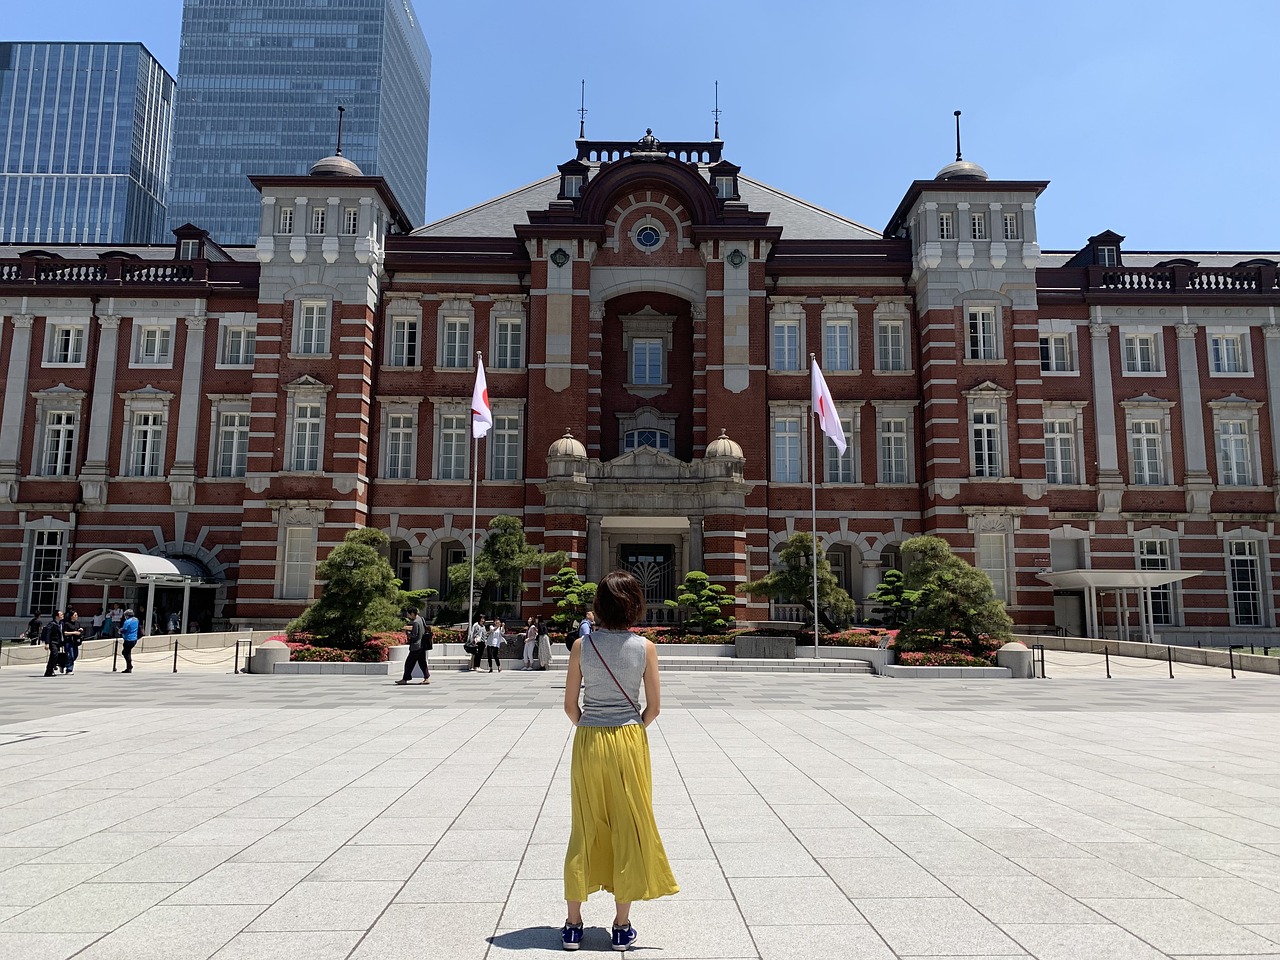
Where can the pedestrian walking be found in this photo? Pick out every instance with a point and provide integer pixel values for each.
(493, 644)
(419, 635)
(614, 843)
(544, 645)
(96, 623)
(475, 642)
(129, 630)
(51, 637)
(72, 636)
(530, 644)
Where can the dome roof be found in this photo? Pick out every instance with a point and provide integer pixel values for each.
(567, 446)
(335, 166)
(722, 446)
(962, 170)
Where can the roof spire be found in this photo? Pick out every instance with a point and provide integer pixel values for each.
(341, 111)
(582, 112)
(958, 157)
(716, 112)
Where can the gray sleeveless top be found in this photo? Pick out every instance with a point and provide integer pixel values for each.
(603, 704)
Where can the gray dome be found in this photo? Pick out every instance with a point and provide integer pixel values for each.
(568, 446)
(722, 447)
(335, 166)
(962, 170)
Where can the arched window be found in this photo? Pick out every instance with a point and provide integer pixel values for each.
(657, 439)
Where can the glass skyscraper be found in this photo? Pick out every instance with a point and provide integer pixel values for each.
(84, 143)
(259, 84)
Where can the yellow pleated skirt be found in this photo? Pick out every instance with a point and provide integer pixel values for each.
(614, 843)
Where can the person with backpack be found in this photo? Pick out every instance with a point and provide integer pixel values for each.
(52, 639)
(419, 635)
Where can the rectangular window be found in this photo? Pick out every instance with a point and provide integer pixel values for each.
(986, 444)
(1146, 445)
(404, 342)
(1107, 257)
(946, 227)
(45, 564)
(978, 226)
(1056, 355)
(1060, 451)
(981, 334)
(786, 450)
(317, 219)
(154, 345)
(1235, 453)
(400, 431)
(147, 452)
(724, 188)
(66, 345)
(233, 444)
(1246, 583)
(1011, 226)
(1140, 353)
(786, 345)
(308, 421)
(457, 343)
(299, 563)
(891, 345)
(893, 451)
(506, 448)
(313, 327)
(60, 443)
(454, 430)
(350, 221)
(286, 220)
(238, 346)
(838, 353)
(1227, 354)
(509, 352)
(993, 560)
(840, 466)
(572, 186)
(1154, 555)
(188, 249)
(646, 361)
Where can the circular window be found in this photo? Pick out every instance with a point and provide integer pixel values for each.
(648, 236)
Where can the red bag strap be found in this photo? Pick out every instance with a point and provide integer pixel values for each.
(605, 663)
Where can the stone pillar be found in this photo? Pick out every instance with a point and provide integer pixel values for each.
(1110, 483)
(15, 407)
(725, 551)
(870, 578)
(93, 477)
(183, 475)
(595, 550)
(696, 560)
(1271, 338)
(419, 573)
(1198, 483)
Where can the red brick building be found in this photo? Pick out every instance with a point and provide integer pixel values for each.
(646, 316)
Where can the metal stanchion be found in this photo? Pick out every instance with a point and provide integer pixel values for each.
(1169, 651)
(175, 655)
(1107, 654)
(1038, 648)
(1231, 657)
(115, 652)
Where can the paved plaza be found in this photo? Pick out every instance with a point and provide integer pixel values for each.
(207, 815)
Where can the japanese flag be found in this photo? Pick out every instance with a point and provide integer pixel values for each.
(481, 412)
(825, 408)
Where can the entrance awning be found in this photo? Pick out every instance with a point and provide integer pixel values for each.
(1120, 582)
(118, 566)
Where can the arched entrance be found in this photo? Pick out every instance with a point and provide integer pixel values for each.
(159, 585)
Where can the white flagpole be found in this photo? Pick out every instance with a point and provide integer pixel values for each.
(475, 484)
(814, 427)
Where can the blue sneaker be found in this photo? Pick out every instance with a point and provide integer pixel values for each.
(571, 936)
(624, 937)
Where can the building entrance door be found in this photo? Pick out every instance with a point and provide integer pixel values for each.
(653, 564)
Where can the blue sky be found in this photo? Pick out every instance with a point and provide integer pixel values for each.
(1155, 120)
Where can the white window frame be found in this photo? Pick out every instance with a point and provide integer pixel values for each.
(1154, 551)
(1108, 256)
(77, 332)
(1237, 410)
(787, 438)
(1245, 549)
(1059, 349)
(1220, 341)
(1011, 231)
(451, 412)
(1142, 353)
(631, 440)
(404, 341)
(399, 442)
(1144, 411)
(455, 344)
(946, 225)
(724, 188)
(313, 330)
(992, 556)
(506, 336)
(840, 468)
(891, 334)
(978, 226)
(839, 321)
(889, 414)
(39, 542)
(350, 221)
(147, 435)
(506, 443)
(982, 328)
(188, 249)
(162, 334)
(284, 222)
(318, 220)
(987, 416)
(647, 419)
(647, 328)
(572, 186)
(1071, 413)
(147, 401)
(787, 320)
(297, 562)
(640, 360)
(60, 442)
(61, 402)
(246, 334)
(1061, 452)
(231, 441)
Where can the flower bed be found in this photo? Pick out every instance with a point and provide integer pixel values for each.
(942, 658)
(668, 635)
(373, 650)
(855, 637)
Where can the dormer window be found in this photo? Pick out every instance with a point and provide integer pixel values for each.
(572, 186)
(573, 177)
(189, 250)
(1107, 257)
(724, 188)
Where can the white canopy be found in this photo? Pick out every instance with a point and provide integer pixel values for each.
(1120, 582)
(117, 566)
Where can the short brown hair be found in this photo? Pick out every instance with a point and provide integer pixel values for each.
(619, 601)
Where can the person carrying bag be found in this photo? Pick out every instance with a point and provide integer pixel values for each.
(418, 634)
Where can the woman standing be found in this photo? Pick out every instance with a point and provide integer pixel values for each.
(493, 644)
(544, 646)
(530, 644)
(477, 637)
(613, 843)
(72, 634)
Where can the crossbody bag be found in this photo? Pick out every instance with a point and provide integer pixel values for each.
(605, 664)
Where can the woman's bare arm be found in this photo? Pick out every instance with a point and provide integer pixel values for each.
(652, 686)
(573, 684)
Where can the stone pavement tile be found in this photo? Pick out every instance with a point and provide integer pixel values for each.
(312, 945)
(685, 844)
(542, 861)
(870, 877)
(700, 880)
(859, 942)
(504, 844)
(105, 847)
(1206, 956)
(52, 833)
(727, 806)
(399, 831)
(1269, 930)
(534, 903)
(311, 905)
(550, 828)
(1025, 842)
(724, 828)
(266, 806)
(790, 900)
(676, 928)
(1028, 900)
(168, 819)
(165, 864)
(30, 883)
(414, 931)
(172, 933)
(1231, 898)
(823, 816)
(1092, 941)
(779, 858)
(1091, 878)
(12, 856)
(294, 846)
(372, 862)
(90, 908)
(1236, 828)
(718, 786)
(960, 859)
(919, 829)
(1201, 844)
(1150, 860)
(457, 881)
(228, 830)
(1176, 926)
(670, 816)
(846, 843)
(935, 926)
(242, 883)
(44, 946)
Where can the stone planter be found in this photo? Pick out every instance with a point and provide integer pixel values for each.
(765, 648)
(947, 673)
